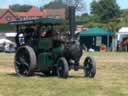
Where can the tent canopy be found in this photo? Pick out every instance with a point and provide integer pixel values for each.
(44, 21)
(123, 30)
(4, 40)
(95, 32)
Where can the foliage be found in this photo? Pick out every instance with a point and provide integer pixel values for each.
(7, 28)
(119, 22)
(54, 5)
(89, 21)
(78, 4)
(105, 10)
(124, 18)
(20, 8)
(124, 12)
(81, 20)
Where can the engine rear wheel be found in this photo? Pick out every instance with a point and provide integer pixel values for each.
(89, 67)
(62, 68)
(25, 61)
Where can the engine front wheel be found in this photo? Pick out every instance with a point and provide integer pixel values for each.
(89, 67)
(62, 68)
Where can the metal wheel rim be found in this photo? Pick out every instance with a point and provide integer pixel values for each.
(60, 69)
(22, 62)
(88, 67)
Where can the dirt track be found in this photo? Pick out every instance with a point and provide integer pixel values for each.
(4, 69)
(6, 63)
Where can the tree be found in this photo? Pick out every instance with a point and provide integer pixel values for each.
(20, 8)
(64, 4)
(123, 18)
(105, 10)
(78, 4)
(56, 4)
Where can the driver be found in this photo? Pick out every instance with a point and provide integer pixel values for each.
(28, 33)
(50, 33)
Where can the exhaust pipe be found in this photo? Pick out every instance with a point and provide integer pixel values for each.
(72, 21)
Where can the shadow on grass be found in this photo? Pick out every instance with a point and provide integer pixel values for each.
(35, 74)
(44, 76)
(71, 76)
(12, 74)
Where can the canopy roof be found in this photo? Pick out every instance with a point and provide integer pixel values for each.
(95, 32)
(4, 40)
(44, 21)
(123, 30)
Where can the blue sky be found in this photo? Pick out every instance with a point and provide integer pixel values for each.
(5, 3)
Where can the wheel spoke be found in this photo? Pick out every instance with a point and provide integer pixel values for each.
(89, 67)
(24, 62)
(18, 63)
(62, 68)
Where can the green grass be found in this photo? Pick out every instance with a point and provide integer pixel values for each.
(111, 79)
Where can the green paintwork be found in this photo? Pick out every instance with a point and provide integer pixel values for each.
(46, 52)
(58, 51)
(95, 32)
(45, 43)
(34, 44)
(45, 61)
(44, 21)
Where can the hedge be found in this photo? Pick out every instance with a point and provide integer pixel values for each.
(7, 28)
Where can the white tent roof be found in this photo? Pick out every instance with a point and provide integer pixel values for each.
(10, 34)
(123, 29)
(123, 32)
(4, 40)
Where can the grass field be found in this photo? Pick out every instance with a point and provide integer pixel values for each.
(111, 79)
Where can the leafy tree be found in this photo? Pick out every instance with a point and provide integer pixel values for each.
(123, 18)
(20, 8)
(54, 5)
(124, 12)
(105, 10)
(78, 4)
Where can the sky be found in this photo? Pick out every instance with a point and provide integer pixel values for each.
(5, 3)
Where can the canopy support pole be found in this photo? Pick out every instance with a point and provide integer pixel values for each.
(108, 41)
